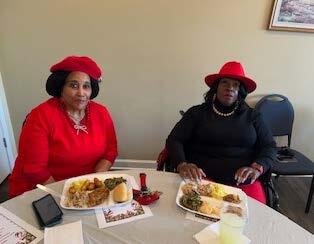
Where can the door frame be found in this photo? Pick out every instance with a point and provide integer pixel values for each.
(7, 126)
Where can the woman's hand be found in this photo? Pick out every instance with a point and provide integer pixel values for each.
(103, 165)
(190, 171)
(246, 173)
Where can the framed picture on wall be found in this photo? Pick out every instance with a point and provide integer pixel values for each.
(293, 15)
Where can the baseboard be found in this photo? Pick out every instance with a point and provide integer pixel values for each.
(135, 163)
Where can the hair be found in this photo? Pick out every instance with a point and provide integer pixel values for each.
(208, 96)
(56, 81)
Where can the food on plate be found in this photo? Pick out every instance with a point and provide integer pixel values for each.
(97, 196)
(209, 198)
(207, 208)
(78, 199)
(113, 182)
(191, 201)
(205, 190)
(188, 188)
(217, 191)
(90, 186)
(77, 186)
(86, 193)
(232, 198)
(120, 193)
(98, 183)
(234, 210)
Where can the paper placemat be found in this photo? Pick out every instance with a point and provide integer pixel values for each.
(117, 215)
(15, 230)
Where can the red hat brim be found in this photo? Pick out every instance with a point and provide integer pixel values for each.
(247, 82)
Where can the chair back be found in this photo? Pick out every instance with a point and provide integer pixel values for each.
(278, 113)
(163, 160)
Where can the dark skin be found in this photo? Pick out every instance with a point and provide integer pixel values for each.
(227, 94)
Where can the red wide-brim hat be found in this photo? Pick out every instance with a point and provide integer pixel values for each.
(79, 63)
(233, 70)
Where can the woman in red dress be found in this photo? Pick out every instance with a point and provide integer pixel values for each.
(67, 135)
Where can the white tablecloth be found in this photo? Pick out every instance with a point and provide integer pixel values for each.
(168, 225)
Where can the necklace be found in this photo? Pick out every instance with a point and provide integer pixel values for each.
(77, 122)
(223, 114)
(76, 119)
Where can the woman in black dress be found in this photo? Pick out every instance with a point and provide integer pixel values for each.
(224, 139)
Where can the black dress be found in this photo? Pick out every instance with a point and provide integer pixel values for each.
(221, 145)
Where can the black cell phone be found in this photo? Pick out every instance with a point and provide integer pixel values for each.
(47, 211)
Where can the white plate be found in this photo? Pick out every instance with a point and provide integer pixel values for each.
(101, 176)
(216, 202)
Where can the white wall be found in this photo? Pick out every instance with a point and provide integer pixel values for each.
(155, 55)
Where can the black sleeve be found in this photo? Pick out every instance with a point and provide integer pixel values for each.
(179, 136)
(265, 145)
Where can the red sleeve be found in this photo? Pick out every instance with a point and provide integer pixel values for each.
(112, 151)
(33, 147)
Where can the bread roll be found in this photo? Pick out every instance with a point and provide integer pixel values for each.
(120, 193)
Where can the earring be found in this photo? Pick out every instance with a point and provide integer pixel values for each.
(214, 97)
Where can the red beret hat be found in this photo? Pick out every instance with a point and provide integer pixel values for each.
(79, 63)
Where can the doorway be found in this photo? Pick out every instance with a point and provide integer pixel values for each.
(4, 158)
(7, 142)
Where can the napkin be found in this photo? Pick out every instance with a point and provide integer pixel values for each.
(211, 235)
(69, 233)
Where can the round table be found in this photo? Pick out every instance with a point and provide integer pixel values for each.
(168, 223)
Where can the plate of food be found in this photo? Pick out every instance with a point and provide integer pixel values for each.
(96, 191)
(207, 198)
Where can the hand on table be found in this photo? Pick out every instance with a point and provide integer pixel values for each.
(246, 173)
(190, 171)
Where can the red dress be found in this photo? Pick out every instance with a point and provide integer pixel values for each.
(51, 146)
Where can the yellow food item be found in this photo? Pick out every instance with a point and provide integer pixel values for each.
(120, 193)
(77, 185)
(206, 208)
(217, 191)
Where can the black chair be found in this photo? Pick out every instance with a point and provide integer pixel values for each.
(279, 115)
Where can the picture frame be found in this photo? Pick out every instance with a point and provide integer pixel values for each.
(292, 15)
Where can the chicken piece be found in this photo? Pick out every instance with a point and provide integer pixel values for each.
(72, 190)
(91, 186)
(98, 183)
(205, 190)
(232, 198)
(97, 196)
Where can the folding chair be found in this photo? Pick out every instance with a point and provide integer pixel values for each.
(278, 113)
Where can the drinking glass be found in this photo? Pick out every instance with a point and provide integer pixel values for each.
(232, 222)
